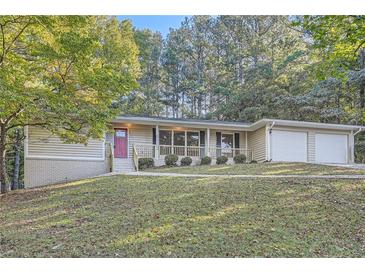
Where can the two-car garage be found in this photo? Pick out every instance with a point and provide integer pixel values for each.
(295, 146)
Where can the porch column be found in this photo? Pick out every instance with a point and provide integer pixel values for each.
(186, 144)
(246, 147)
(207, 142)
(157, 148)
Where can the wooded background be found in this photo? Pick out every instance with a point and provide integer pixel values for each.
(244, 68)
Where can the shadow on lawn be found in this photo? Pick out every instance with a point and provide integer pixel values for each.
(125, 216)
(294, 225)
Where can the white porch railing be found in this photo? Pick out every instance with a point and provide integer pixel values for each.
(145, 150)
(192, 151)
(154, 151)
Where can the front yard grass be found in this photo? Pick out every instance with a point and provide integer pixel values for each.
(130, 216)
(263, 169)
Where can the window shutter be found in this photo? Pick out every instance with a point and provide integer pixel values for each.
(237, 140)
(219, 139)
(153, 136)
(202, 138)
(202, 144)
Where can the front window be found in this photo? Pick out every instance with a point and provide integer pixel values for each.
(227, 140)
(227, 145)
(165, 142)
(192, 142)
(179, 138)
(182, 143)
(165, 137)
(192, 139)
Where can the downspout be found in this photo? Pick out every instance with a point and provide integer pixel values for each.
(360, 129)
(272, 125)
(269, 141)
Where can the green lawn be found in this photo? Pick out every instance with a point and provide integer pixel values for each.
(264, 169)
(123, 216)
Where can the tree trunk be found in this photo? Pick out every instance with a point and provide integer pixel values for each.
(362, 82)
(15, 181)
(362, 94)
(4, 187)
(183, 104)
(199, 106)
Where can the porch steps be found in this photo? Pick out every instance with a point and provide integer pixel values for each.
(123, 165)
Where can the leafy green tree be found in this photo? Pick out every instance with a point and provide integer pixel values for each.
(197, 51)
(174, 66)
(146, 99)
(340, 44)
(63, 73)
(263, 58)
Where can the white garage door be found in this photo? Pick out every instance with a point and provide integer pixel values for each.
(331, 148)
(290, 146)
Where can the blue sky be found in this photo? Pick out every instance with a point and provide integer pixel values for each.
(161, 23)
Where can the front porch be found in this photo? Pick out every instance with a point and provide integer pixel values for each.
(131, 142)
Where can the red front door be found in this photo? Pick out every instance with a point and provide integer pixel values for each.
(121, 143)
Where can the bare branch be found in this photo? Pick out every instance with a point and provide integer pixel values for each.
(14, 115)
(357, 49)
(26, 124)
(13, 143)
(7, 49)
(3, 44)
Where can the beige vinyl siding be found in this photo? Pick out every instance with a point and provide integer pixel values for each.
(257, 142)
(139, 135)
(311, 146)
(40, 143)
(351, 148)
(242, 140)
(213, 138)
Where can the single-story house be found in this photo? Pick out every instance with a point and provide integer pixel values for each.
(48, 160)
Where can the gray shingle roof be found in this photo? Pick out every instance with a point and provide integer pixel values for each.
(189, 120)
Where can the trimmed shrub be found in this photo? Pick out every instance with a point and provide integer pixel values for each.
(253, 162)
(186, 161)
(206, 160)
(222, 160)
(171, 160)
(144, 163)
(239, 159)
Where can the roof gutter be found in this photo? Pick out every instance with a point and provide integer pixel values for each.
(149, 121)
